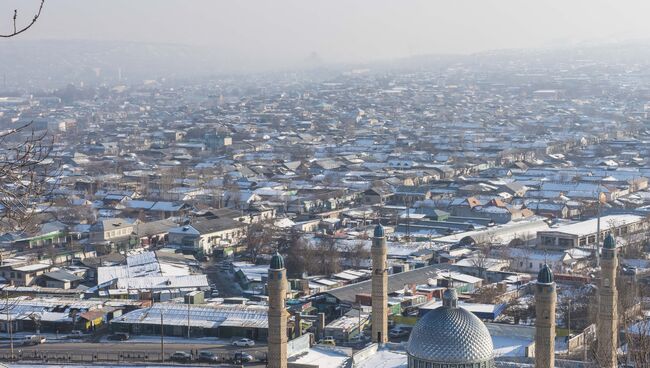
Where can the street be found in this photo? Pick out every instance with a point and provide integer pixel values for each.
(120, 351)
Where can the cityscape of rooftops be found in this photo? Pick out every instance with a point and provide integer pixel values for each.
(325, 184)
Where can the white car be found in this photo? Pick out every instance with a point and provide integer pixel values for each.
(243, 343)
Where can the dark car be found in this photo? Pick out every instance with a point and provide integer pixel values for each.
(242, 358)
(119, 336)
(207, 356)
(180, 356)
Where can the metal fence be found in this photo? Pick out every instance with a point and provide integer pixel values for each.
(57, 356)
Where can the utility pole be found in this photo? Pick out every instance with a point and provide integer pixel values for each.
(188, 318)
(598, 228)
(9, 327)
(162, 338)
(568, 347)
(360, 329)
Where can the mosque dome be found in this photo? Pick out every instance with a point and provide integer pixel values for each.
(450, 335)
(379, 231)
(545, 275)
(277, 261)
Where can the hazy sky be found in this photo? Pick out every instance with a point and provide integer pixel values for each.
(340, 30)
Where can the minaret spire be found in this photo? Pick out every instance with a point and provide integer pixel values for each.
(607, 324)
(545, 302)
(379, 286)
(277, 315)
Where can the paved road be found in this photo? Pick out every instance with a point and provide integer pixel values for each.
(120, 352)
(110, 347)
(223, 280)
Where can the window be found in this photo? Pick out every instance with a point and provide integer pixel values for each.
(530, 265)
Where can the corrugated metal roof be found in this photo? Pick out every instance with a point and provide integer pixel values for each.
(205, 316)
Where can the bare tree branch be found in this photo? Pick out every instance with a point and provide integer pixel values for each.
(26, 176)
(17, 31)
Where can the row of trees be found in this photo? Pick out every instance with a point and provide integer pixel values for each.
(322, 256)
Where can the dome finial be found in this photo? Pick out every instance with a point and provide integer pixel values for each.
(450, 298)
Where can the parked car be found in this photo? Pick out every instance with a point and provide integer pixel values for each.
(33, 340)
(327, 340)
(207, 356)
(244, 342)
(398, 332)
(359, 338)
(119, 336)
(242, 358)
(180, 356)
(76, 334)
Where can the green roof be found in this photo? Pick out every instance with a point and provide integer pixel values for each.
(277, 261)
(545, 275)
(610, 242)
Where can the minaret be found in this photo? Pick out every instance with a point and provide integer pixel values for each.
(545, 300)
(607, 323)
(277, 315)
(379, 287)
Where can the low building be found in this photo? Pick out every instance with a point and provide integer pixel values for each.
(230, 320)
(204, 235)
(582, 234)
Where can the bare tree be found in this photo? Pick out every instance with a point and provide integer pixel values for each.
(299, 254)
(481, 258)
(16, 31)
(357, 252)
(259, 238)
(25, 176)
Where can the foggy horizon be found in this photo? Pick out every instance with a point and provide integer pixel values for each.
(266, 36)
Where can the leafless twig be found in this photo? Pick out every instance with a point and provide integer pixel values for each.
(26, 176)
(17, 31)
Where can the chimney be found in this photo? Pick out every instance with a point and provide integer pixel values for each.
(298, 321)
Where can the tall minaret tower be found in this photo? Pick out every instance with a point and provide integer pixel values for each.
(545, 300)
(277, 317)
(379, 287)
(607, 312)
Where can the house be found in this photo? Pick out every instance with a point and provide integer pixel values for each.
(514, 188)
(61, 279)
(50, 234)
(23, 275)
(114, 230)
(376, 195)
(204, 234)
(406, 194)
(630, 228)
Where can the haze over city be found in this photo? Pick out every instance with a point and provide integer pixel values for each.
(324, 184)
(280, 34)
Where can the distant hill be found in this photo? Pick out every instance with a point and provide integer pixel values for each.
(53, 63)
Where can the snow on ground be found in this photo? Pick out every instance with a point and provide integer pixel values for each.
(385, 358)
(509, 346)
(324, 356)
